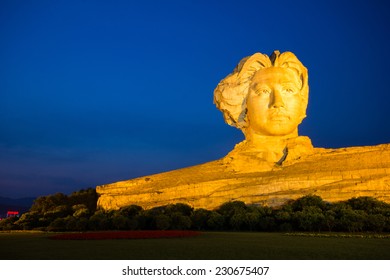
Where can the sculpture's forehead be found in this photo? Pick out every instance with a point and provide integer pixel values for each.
(276, 75)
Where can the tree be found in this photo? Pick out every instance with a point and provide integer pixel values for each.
(310, 218)
(100, 220)
(162, 222)
(133, 223)
(119, 221)
(307, 201)
(284, 218)
(352, 220)
(267, 220)
(80, 211)
(180, 221)
(29, 220)
(9, 223)
(59, 211)
(58, 224)
(368, 204)
(329, 220)
(131, 210)
(387, 224)
(229, 208)
(238, 221)
(376, 222)
(216, 221)
(234, 214)
(48, 203)
(88, 197)
(182, 208)
(199, 219)
(76, 224)
(252, 218)
(267, 223)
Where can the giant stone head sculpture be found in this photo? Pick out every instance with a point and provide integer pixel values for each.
(265, 95)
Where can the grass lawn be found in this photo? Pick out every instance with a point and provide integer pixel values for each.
(209, 245)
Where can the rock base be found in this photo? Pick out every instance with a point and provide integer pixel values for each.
(333, 174)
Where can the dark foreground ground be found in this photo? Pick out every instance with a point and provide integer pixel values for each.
(209, 245)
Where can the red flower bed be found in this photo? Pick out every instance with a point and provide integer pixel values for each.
(143, 234)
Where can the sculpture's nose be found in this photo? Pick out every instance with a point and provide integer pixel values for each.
(276, 100)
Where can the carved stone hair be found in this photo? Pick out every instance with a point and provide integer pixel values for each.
(231, 93)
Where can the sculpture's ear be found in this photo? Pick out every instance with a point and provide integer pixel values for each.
(249, 65)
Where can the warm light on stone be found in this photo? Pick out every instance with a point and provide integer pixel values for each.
(266, 98)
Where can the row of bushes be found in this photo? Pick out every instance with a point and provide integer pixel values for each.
(309, 213)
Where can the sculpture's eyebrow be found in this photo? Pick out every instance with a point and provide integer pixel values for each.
(259, 86)
(291, 83)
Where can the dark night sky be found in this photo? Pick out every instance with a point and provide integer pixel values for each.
(93, 92)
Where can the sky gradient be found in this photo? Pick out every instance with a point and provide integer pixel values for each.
(94, 92)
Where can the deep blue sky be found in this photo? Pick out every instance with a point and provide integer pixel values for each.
(93, 92)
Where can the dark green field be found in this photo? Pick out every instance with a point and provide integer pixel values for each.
(209, 245)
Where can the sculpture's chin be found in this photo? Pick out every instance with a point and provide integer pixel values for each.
(280, 129)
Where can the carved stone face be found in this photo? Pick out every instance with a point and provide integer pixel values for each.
(275, 104)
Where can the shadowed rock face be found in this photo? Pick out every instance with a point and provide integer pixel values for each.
(266, 98)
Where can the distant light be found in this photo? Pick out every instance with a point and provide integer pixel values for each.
(12, 213)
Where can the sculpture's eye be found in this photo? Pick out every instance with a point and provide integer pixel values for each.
(263, 91)
(289, 90)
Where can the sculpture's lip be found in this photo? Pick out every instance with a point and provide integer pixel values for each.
(279, 117)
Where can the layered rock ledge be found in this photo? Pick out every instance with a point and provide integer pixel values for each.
(333, 174)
